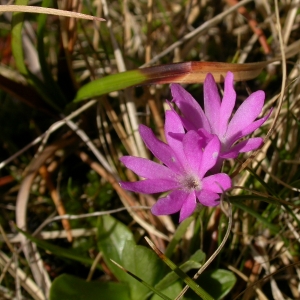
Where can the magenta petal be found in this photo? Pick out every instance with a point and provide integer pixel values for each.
(169, 204)
(187, 124)
(174, 125)
(228, 103)
(217, 183)
(212, 103)
(248, 130)
(246, 113)
(189, 107)
(188, 206)
(244, 146)
(150, 186)
(174, 128)
(159, 149)
(192, 147)
(146, 168)
(210, 156)
(208, 198)
(205, 136)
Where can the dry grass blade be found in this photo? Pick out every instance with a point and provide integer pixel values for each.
(30, 250)
(260, 294)
(289, 21)
(56, 234)
(27, 283)
(48, 11)
(128, 109)
(267, 277)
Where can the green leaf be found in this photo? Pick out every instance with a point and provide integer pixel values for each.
(110, 83)
(58, 251)
(66, 287)
(198, 256)
(112, 237)
(143, 263)
(218, 283)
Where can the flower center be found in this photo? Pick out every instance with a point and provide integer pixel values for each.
(190, 182)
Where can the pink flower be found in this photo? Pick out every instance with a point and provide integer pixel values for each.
(216, 119)
(186, 160)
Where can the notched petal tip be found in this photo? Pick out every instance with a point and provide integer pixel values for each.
(175, 87)
(177, 92)
(210, 156)
(217, 183)
(170, 204)
(208, 198)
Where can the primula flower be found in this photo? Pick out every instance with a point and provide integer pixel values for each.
(216, 119)
(187, 158)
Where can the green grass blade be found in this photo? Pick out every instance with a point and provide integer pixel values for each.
(178, 235)
(187, 72)
(16, 40)
(17, 50)
(275, 229)
(261, 181)
(188, 280)
(62, 252)
(267, 199)
(53, 88)
(142, 282)
(110, 83)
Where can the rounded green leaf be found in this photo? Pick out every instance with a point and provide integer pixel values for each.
(112, 237)
(66, 287)
(218, 283)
